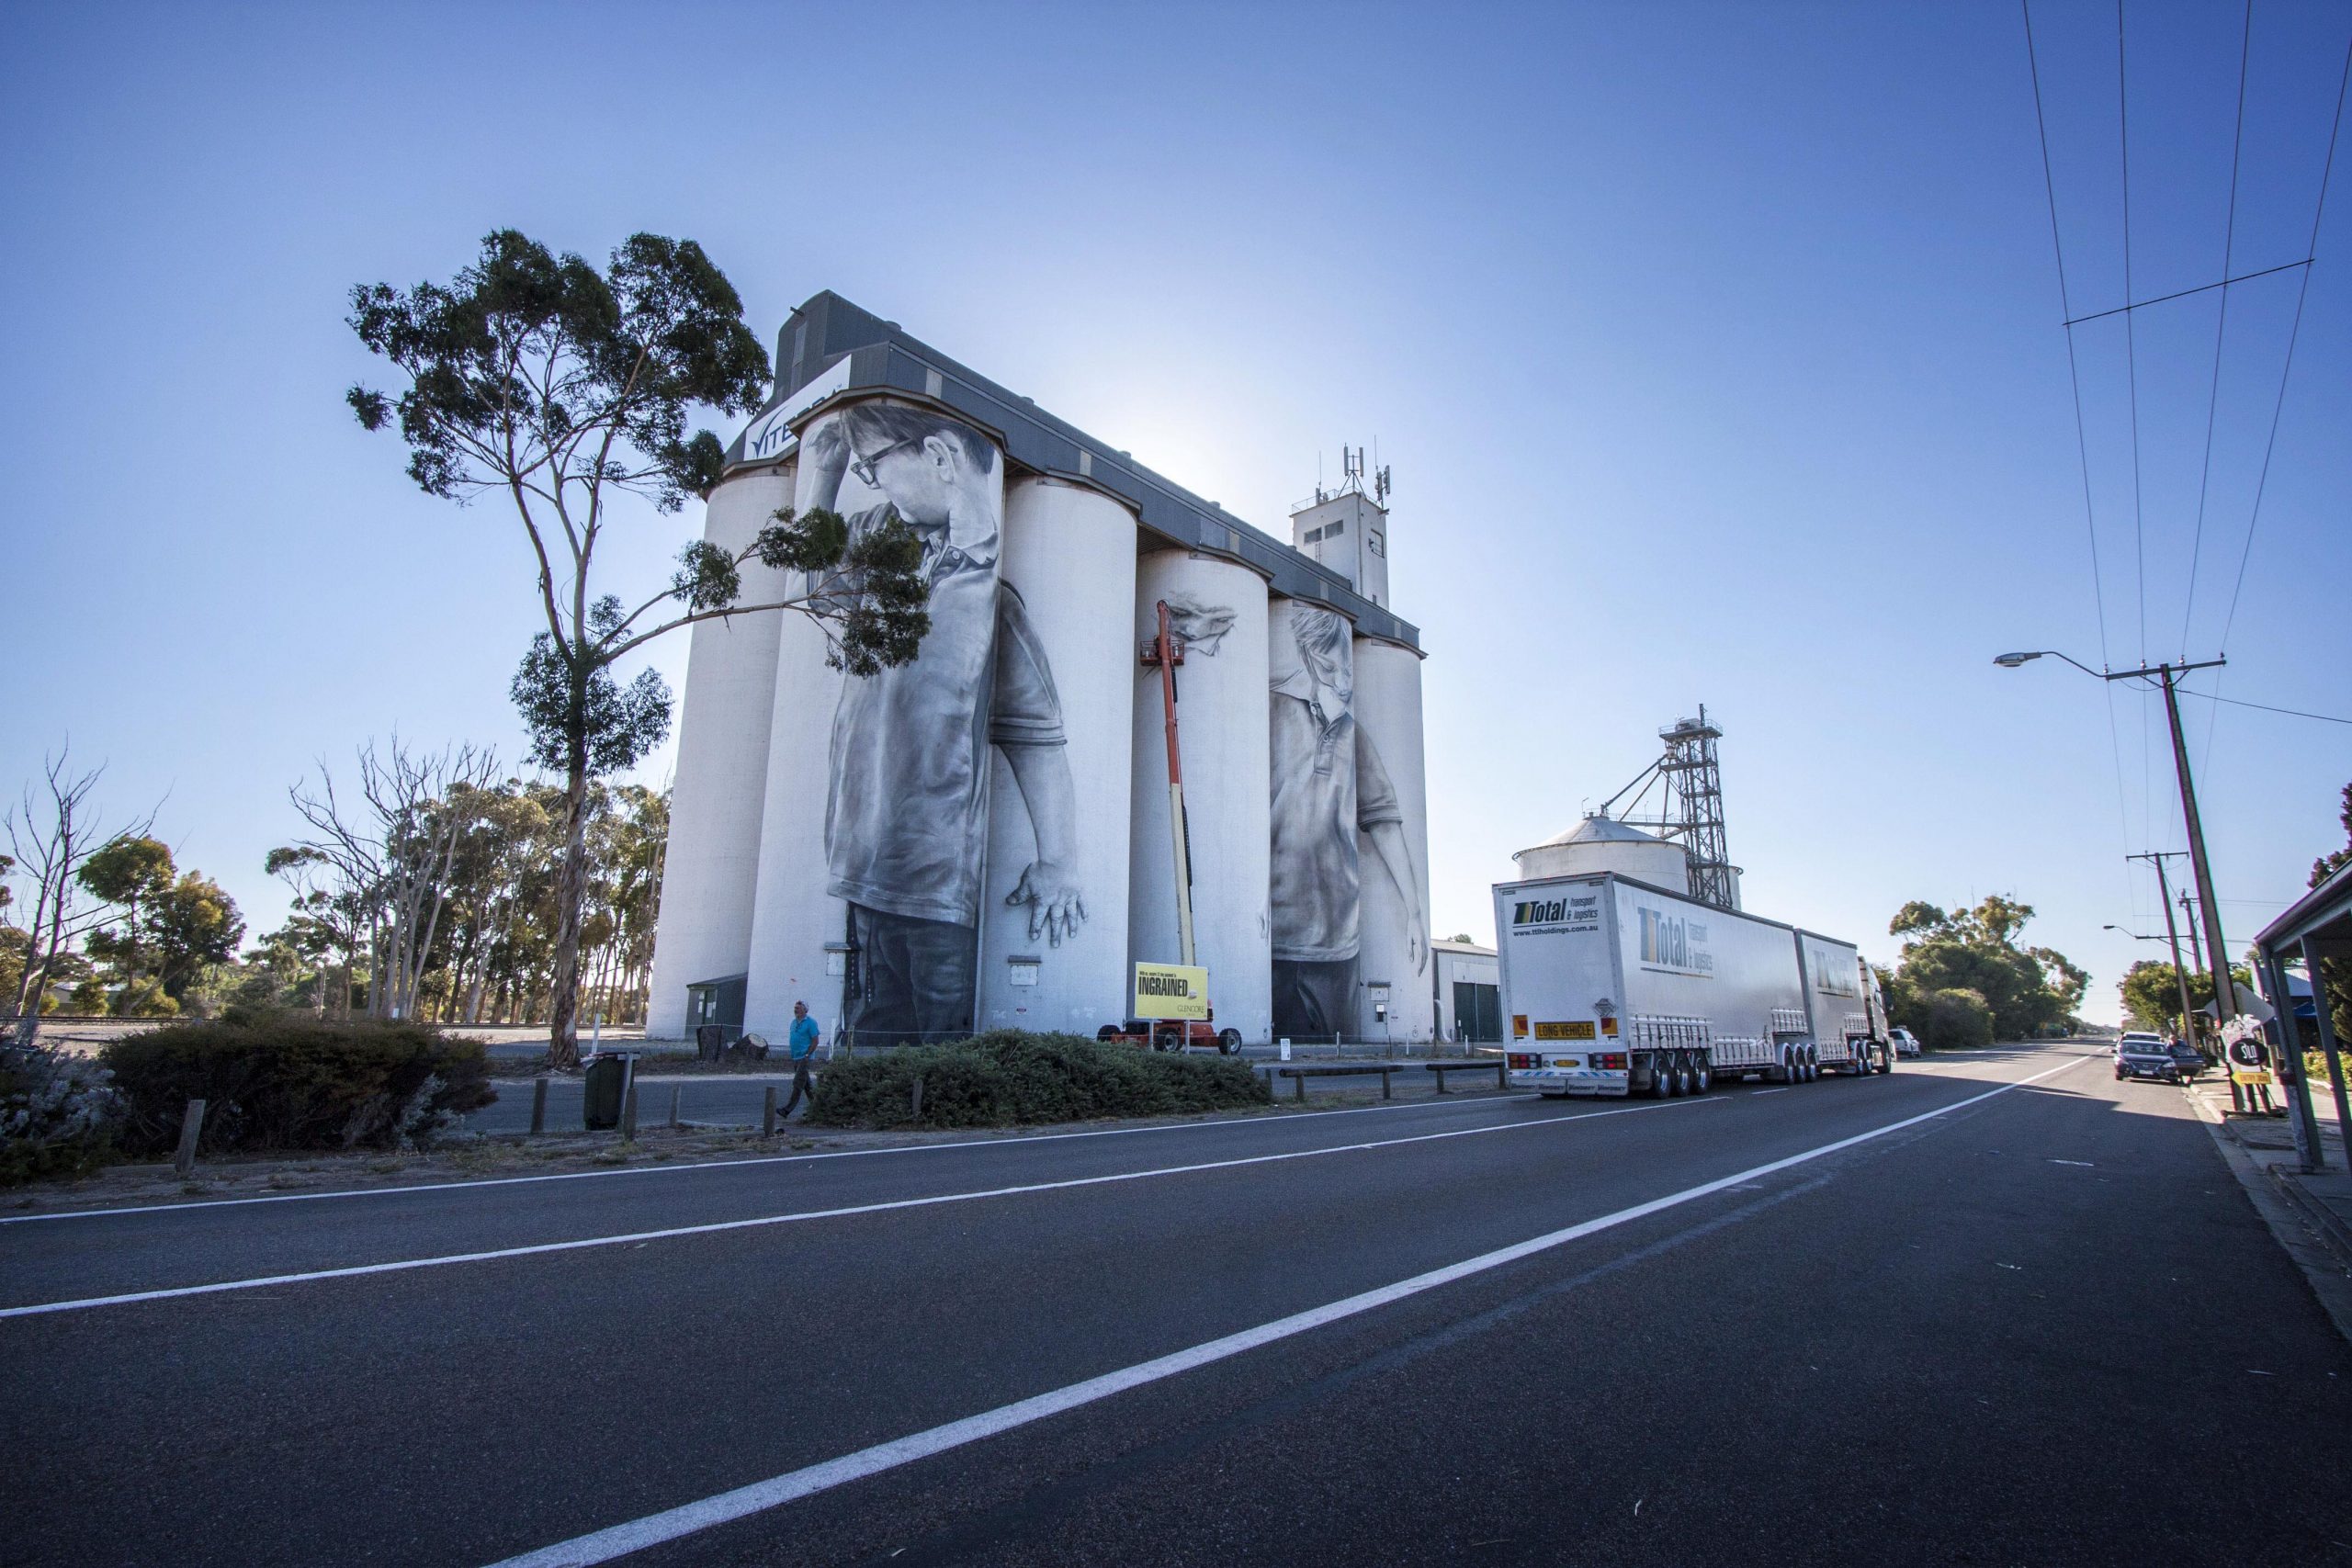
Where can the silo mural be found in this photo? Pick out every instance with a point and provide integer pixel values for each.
(1219, 610)
(1394, 956)
(712, 860)
(1329, 786)
(980, 838)
(1052, 956)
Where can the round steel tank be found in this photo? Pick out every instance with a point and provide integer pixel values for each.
(1395, 954)
(1220, 611)
(1053, 901)
(710, 867)
(1598, 844)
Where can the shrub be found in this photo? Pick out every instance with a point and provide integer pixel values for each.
(1011, 1079)
(59, 1115)
(275, 1080)
(1951, 1020)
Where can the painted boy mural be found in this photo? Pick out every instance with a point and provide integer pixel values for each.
(906, 819)
(1328, 785)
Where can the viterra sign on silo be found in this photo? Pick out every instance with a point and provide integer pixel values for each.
(979, 838)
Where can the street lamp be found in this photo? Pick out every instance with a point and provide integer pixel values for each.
(2167, 676)
(2135, 936)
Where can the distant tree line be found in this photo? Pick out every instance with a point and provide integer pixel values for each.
(1963, 979)
(425, 887)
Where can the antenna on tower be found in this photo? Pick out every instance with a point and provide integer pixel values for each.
(1380, 485)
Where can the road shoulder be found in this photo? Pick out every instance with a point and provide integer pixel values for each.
(2295, 1220)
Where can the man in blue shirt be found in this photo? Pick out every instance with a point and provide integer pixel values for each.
(804, 1047)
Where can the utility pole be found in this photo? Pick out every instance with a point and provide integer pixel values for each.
(2217, 950)
(2187, 1007)
(2196, 952)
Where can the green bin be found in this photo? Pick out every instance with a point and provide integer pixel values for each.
(602, 1089)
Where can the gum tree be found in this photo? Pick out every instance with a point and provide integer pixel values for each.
(564, 390)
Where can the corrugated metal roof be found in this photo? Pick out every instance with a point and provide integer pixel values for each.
(883, 358)
(1600, 830)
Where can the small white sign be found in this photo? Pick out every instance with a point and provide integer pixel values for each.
(771, 432)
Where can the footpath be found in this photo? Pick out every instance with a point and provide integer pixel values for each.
(2324, 1197)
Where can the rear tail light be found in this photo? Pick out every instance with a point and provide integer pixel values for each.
(1609, 1061)
(1521, 1064)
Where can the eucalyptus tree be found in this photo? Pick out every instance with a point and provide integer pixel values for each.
(53, 833)
(564, 390)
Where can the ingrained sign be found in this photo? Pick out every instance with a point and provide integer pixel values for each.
(1171, 991)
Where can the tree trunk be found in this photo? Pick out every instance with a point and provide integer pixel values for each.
(572, 887)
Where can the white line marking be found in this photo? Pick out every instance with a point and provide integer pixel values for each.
(619, 1540)
(1762, 1092)
(1275, 1121)
(2086, 1165)
(715, 1227)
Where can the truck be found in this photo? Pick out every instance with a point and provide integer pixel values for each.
(1617, 986)
(1845, 1013)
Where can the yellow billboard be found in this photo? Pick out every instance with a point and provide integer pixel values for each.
(1171, 991)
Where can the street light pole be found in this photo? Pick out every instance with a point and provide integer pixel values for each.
(2226, 996)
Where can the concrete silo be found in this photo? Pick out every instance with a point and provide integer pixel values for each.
(1394, 952)
(1220, 610)
(711, 865)
(876, 806)
(1053, 953)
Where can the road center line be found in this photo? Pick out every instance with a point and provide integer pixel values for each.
(619, 1540)
(716, 1227)
(1282, 1119)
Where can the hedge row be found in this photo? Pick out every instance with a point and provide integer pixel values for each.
(273, 1080)
(1011, 1078)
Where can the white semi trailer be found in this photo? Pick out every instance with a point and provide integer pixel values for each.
(1616, 986)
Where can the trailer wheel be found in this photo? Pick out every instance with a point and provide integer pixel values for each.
(1230, 1042)
(1661, 1079)
(1702, 1074)
(1686, 1078)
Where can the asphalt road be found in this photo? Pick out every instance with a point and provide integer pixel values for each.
(1926, 1318)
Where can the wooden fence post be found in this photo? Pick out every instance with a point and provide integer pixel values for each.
(538, 1106)
(768, 1113)
(916, 1112)
(192, 1128)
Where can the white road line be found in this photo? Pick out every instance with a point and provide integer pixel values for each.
(715, 1227)
(1275, 1121)
(619, 1540)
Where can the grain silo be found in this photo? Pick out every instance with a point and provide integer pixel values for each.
(1601, 843)
(711, 863)
(1219, 610)
(901, 849)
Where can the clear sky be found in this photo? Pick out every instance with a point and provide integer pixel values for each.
(1716, 349)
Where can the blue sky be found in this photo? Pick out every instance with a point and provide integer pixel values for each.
(1716, 349)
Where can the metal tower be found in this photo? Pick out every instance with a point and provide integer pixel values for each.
(1694, 807)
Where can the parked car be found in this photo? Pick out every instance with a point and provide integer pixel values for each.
(2146, 1056)
(1906, 1042)
(2190, 1060)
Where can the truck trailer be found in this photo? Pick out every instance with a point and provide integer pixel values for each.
(1616, 986)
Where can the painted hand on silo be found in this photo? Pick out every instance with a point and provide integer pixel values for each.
(1056, 908)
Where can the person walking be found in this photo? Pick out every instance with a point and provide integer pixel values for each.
(804, 1049)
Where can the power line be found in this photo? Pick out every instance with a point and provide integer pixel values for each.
(2185, 293)
(2318, 210)
(2131, 372)
(2081, 441)
(2131, 335)
(2242, 702)
(2220, 329)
